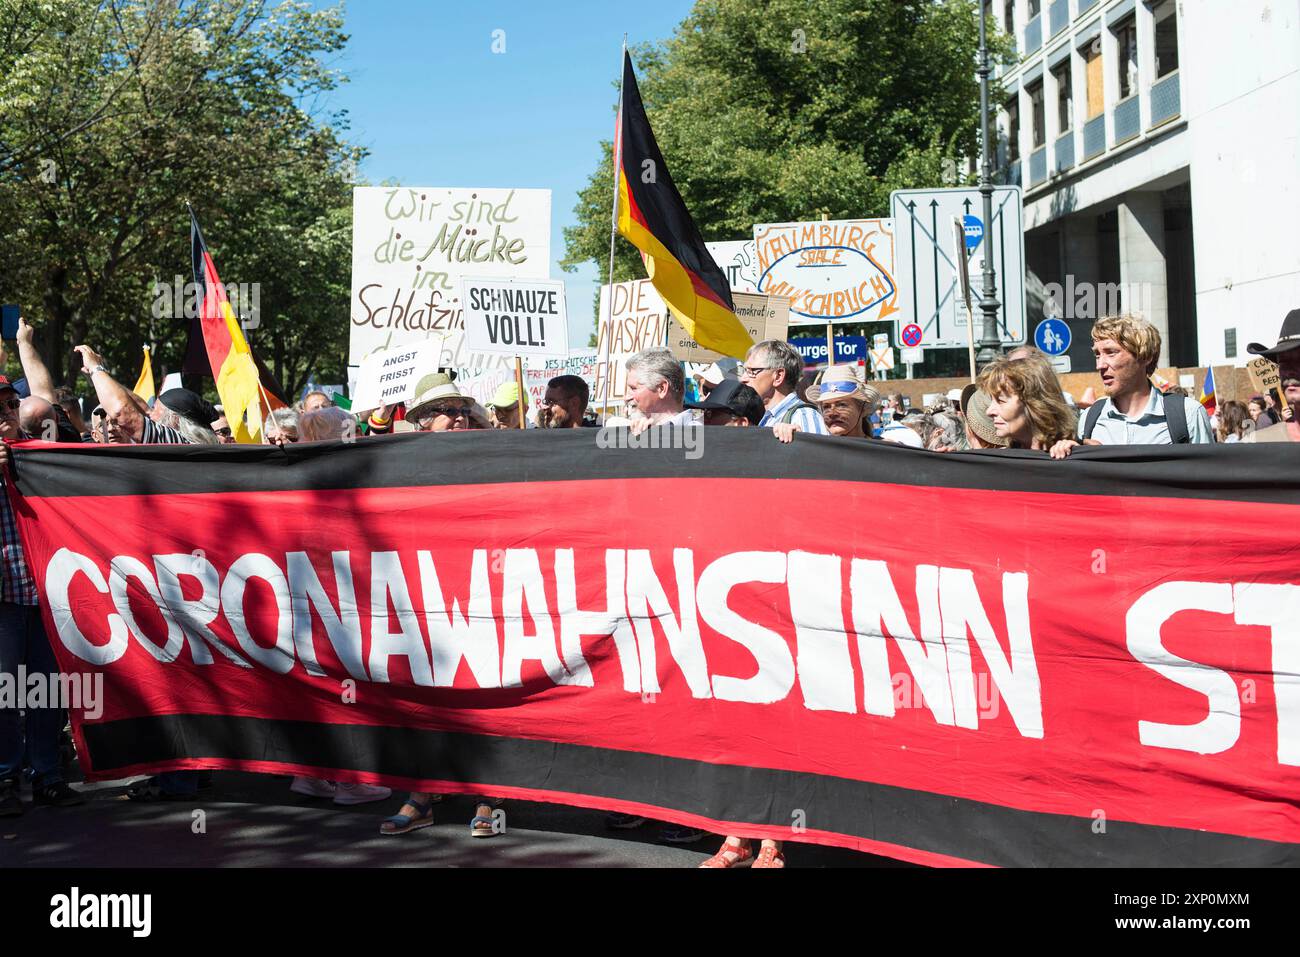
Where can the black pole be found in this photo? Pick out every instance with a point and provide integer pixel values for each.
(990, 344)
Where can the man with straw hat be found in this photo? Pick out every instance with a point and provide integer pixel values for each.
(845, 401)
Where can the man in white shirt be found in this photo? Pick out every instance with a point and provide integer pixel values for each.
(656, 388)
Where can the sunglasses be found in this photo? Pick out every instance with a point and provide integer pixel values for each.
(451, 411)
(11, 405)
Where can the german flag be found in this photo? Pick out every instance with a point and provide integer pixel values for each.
(653, 218)
(243, 400)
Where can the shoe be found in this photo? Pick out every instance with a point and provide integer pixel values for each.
(361, 793)
(731, 855)
(769, 857)
(57, 794)
(149, 790)
(675, 834)
(405, 823)
(10, 804)
(624, 822)
(484, 825)
(313, 787)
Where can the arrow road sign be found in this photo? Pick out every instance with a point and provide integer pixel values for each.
(927, 272)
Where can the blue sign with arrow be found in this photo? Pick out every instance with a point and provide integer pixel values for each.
(1053, 336)
(974, 230)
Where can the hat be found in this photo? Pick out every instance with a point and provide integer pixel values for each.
(434, 386)
(975, 407)
(506, 395)
(190, 405)
(734, 397)
(1287, 339)
(841, 382)
(901, 434)
(6, 384)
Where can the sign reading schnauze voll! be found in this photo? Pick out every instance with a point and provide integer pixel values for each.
(412, 246)
(518, 317)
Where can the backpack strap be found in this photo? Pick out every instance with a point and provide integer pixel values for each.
(1176, 418)
(1093, 417)
(788, 415)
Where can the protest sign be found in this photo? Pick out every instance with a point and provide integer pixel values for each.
(1264, 374)
(411, 246)
(932, 690)
(389, 376)
(639, 320)
(764, 317)
(830, 271)
(581, 363)
(517, 317)
(738, 262)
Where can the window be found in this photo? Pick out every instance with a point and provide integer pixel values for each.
(1126, 43)
(1013, 131)
(1038, 125)
(1064, 97)
(1034, 7)
(1009, 15)
(1096, 88)
(1166, 38)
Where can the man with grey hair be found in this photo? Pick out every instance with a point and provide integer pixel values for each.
(947, 433)
(772, 369)
(656, 388)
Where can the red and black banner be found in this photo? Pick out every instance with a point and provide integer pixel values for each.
(986, 658)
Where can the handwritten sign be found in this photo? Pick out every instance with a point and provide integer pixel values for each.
(830, 272)
(1264, 373)
(738, 261)
(764, 317)
(389, 376)
(520, 317)
(410, 248)
(639, 321)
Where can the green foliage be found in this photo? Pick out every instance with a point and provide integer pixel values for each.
(795, 109)
(114, 114)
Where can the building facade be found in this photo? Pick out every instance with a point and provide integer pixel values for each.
(1158, 146)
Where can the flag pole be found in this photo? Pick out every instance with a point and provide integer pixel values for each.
(613, 230)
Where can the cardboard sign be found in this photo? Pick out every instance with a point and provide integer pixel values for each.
(519, 317)
(1264, 374)
(639, 320)
(389, 376)
(410, 248)
(738, 262)
(830, 272)
(764, 317)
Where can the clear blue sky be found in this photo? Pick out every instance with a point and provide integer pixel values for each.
(436, 107)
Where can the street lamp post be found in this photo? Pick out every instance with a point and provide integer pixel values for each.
(990, 344)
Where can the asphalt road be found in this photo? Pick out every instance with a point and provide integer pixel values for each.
(253, 820)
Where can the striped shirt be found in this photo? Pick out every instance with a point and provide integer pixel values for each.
(18, 585)
(808, 420)
(155, 434)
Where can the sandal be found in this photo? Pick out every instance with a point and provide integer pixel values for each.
(405, 823)
(769, 857)
(731, 855)
(483, 826)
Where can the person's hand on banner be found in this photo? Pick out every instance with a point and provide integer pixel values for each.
(784, 431)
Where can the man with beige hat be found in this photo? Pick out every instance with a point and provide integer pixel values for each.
(1287, 356)
(845, 401)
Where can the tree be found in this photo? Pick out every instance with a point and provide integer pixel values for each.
(804, 108)
(113, 114)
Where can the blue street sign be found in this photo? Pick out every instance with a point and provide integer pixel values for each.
(974, 231)
(1052, 336)
(848, 350)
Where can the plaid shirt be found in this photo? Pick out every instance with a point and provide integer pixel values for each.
(18, 586)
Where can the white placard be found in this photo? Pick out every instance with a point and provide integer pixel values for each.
(389, 376)
(912, 356)
(411, 246)
(639, 321)
(516, 317)
(738, 261)
(882, 360)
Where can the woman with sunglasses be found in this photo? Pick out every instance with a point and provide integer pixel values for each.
(438, 407)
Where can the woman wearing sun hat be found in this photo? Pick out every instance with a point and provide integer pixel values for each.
(981, 433)
(845, 401)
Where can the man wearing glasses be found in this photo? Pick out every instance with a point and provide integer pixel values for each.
(564, 404)
(772, 369)
(1287, 356)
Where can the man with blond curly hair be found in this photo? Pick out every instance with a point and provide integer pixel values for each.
(1134, 412)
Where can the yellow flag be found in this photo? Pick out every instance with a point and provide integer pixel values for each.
(144, 387)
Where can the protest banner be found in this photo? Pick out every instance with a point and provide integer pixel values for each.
(999, 690)
(538, 373)
(517, 317)
(738, 261)
(764, 317)
(389, 376)
(830, 271)
(639, 320)
(410, 247)
(1264, 374)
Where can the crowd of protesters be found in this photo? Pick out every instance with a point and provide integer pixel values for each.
(1017, 402)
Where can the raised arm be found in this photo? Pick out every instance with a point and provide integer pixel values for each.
(120, 404)
(39, 381)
